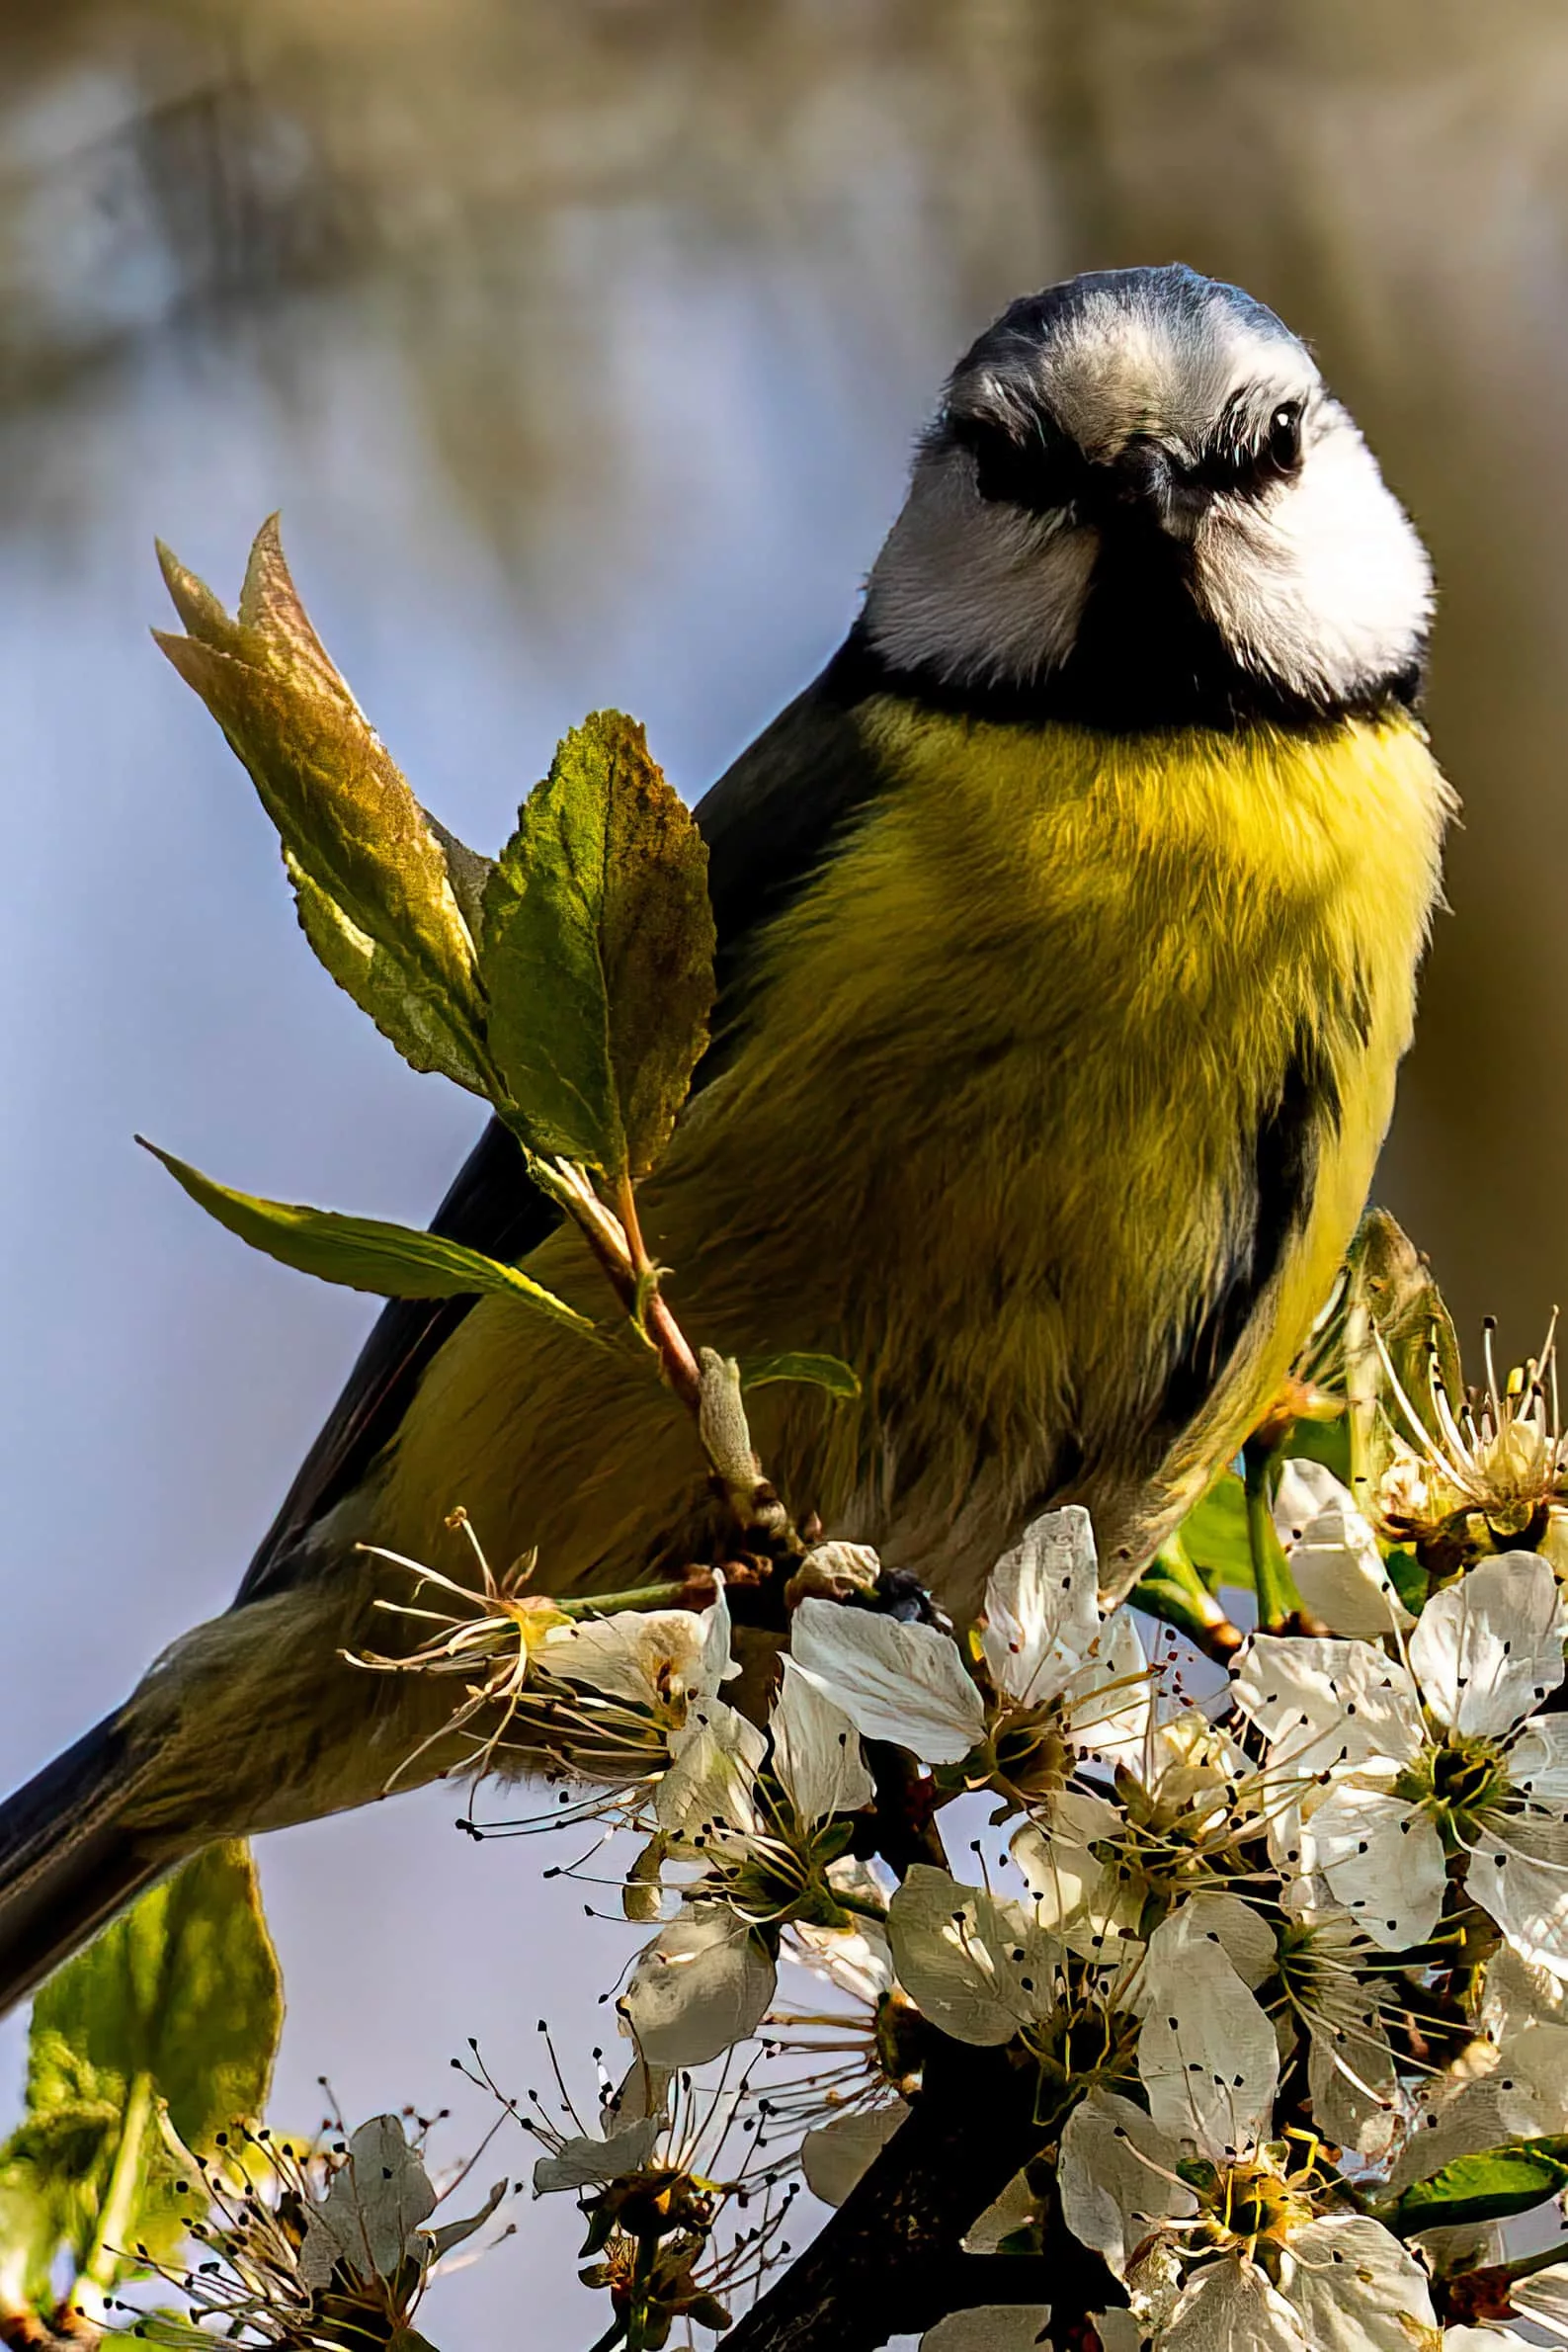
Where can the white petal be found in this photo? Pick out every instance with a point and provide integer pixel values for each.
(589, 2163)
(1518, 1872)
(989, 2327)
(716, 1666)
(1382, 1859)
(1118, 2330)
(1241, 1933)
(1015, 2208)
(1463, 2118)
(979, 1966)
(455, 2233)
(1084, 1902)
(1537, 1761)
(858, 1960)
(816, 1752)
(1230, 2306)
(1305, 1488)
(1517, 1994)
(1110, 1704)
(1490, 1647)
(1338, 1568)
(702, 1984)
(1112, 2197)
(1207, 2054)
(1061, 1873)
(641, 2092)
(1484, 2340)
(646, 1656)
(1042, 1607)
(370, 2211)
(1532, 2076)
(1542, 2298)
(707, 1789)
(1357, 2289)
(895, 1682)
(836, 2155)
(1324, 1703)
(1352, 2075)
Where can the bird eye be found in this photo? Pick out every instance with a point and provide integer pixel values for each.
(1283, 444)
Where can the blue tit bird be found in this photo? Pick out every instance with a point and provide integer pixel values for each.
(1069, 924)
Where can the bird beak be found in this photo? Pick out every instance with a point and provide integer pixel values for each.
(1147, 482)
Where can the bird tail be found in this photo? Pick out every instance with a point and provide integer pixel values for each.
(68, 1861)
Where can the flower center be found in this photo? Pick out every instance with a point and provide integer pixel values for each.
(1243, 2203)
(1029, 1756)
(1456, 1783)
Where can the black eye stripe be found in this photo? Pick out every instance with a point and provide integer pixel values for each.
(1036, 468)
(1029, 464)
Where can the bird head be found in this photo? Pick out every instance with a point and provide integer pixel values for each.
(1140, 504)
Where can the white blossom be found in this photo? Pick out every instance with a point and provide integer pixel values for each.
(1242, 2253)
(979, 1966)
(655, 1660)
(704, 1984)
(1065, 1679)
(1333, 1555)
(366, 2241)
(838, 2153)
(895, 1682)
(1442, 1757)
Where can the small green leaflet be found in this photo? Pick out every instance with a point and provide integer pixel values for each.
(597, 954)
(1214, 1536)
(178, 2002)
(817, 1371)
(1328, 1442)
(363, 1254)
(1409, 1579)
(1483, 2188)
(387, 896)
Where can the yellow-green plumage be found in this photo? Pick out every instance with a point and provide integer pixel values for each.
(992, 1137)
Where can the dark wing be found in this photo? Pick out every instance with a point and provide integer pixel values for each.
(767, 822)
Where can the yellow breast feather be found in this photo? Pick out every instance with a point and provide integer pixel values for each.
(1090, 1042)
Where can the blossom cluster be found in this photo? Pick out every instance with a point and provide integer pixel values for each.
(1278, 1940)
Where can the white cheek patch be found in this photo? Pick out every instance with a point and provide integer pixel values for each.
(1323, 584)
(975, 591)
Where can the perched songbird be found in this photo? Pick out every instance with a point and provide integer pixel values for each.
(1068, 925)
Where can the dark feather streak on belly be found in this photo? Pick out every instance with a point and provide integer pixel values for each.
(1286, 1152)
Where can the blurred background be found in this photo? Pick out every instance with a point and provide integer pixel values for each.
(581, 343)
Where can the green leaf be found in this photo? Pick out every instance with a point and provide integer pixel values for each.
(1179, 1600)
(1328, 1442)
(367, 863)
(178, 2001)
(363, 1254)
(1483, 2188)
(598, 954)
(184, 1987)
(409, 1017)
(1214, 1536)
(1409, 1580)
(817, 1371)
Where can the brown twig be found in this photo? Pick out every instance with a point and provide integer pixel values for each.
(890, 2261)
